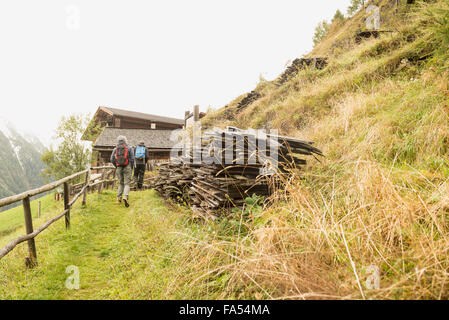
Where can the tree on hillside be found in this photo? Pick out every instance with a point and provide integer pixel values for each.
(338, 17)
(354, 6)
(321, 31)
(71, 155)
(323, 28)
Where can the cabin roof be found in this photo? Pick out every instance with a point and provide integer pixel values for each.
(113, 112)
(140, 115)
(154, 139)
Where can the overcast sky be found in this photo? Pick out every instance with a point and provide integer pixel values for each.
(60, 57)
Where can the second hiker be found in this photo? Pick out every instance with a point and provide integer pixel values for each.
(123, 159)
(142, 158)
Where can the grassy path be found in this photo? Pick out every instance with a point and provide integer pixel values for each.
(120, 253)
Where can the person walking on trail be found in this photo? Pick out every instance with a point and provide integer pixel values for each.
(123, 159)
(142, 157)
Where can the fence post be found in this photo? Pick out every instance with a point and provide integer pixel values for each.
(39, 209)
(31, 261)
(108, 178)
(186, 115)
(85, 185)
(111, 183)
(196, 113)
(100, 186)
(113, 173)
(66, 205)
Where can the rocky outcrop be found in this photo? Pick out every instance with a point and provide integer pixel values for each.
(300, 64)
(248, 99)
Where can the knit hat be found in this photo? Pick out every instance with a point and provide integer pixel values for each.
(122, 139)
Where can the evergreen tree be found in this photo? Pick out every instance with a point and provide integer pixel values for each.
(321, 31)
(354, 6)
(338, 17)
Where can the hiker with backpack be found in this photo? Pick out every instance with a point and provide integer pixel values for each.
(142, 157)
(123, 159)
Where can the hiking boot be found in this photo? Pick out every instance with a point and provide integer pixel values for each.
(119, 201)
(126, 202)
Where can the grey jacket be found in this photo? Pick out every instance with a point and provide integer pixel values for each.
(130, 156)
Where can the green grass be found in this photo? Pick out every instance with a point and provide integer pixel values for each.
(152, 250)
(121, 253)
(13, 218)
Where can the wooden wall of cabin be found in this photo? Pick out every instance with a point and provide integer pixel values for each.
(159, 155)
(104, 157)
(104, 119)
(129, 123)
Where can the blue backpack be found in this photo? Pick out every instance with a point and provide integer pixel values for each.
(140, 152)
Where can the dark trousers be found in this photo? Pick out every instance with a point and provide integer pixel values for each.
(139, 173)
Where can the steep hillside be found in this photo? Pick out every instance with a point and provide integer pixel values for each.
(352, 67)
(379, 201)
(20, 160)
(370, 221)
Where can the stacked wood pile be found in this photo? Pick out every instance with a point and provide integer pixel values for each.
(248, 99)
(291, 71)
(215, 186)
(369, 34)
(173, 180)
(300, 64)
(208, 186)
(229, 113)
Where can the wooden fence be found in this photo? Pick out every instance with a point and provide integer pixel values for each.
(86, 186)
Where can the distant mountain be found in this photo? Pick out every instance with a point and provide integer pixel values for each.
(20, 161)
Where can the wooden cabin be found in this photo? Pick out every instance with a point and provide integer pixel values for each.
(157, 141)
(154, 130)
(124, 119)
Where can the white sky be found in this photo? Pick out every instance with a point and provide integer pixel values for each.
(158, 57)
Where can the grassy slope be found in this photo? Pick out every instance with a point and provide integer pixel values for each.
(380, 198)
(152, 250)
(137, 253)
(12, 219)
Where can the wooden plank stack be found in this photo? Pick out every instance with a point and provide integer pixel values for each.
(173, 180)
(300, 64)
(226, 178)
(215, 187)
(360, 36)
(248, 99)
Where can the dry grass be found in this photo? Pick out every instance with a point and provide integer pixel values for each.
(381, 196)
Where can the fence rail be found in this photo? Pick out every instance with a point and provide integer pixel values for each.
(25, 198)
(34, 192)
